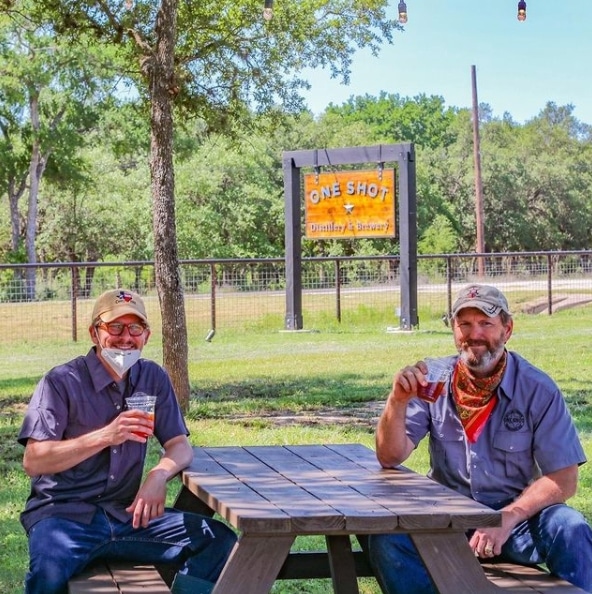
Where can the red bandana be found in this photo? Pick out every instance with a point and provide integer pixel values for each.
(475, 397)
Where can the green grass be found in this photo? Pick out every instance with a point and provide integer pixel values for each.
(243, 378)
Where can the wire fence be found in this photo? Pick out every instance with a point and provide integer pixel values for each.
(55, 303)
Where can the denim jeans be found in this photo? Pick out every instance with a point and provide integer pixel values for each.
(59, 548)
(558, 536)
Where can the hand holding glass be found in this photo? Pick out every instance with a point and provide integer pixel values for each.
(143, 402)
(437, 376)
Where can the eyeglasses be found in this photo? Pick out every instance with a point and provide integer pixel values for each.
(116, 328)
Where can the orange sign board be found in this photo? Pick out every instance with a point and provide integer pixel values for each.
(350, 204)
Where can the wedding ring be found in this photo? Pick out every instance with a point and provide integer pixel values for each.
(488, 551)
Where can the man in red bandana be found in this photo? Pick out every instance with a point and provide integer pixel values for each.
(501, 434)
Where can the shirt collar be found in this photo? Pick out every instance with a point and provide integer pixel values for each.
(506, 387)
(98, 374)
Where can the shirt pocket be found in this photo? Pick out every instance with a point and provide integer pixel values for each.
(447, 441)
(514, 449)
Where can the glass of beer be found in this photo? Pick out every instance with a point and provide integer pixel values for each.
(143, 402)
(438, 373)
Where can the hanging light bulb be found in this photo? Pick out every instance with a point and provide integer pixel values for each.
(522, 10)
(268, 10)
(402, 12)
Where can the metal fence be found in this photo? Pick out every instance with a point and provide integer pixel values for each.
(249, 294)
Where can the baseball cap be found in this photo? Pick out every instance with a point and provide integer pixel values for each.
(488, 299)
(116, 303)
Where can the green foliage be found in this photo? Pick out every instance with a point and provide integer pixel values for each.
(423, 120)
(439, 238)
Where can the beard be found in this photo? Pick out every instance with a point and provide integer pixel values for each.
(484, 361)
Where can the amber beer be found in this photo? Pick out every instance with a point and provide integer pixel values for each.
(436, 376)
(141, 433)
(145, 403)
(431, 392)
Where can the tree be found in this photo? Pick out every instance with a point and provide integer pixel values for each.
(44, 110)
(217, 61)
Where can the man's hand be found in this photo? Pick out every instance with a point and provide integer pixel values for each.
(488, 542)
(150, 499)
(133, 425)
(50, 457)
(407, 381)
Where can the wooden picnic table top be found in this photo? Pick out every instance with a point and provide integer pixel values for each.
(271, 494)
(324, 489)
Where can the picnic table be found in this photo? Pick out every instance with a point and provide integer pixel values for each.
(273, 494)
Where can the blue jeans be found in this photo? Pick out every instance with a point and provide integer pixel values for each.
(59, 548)
(558, 536)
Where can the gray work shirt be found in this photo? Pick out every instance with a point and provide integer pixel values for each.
(529, 433)
(78, 397)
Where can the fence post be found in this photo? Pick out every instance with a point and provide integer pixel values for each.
(73, 295)
(338, 290)
(549, 285)
(213, 283)
(449, 285)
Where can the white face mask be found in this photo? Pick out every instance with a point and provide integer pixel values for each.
(120, 360)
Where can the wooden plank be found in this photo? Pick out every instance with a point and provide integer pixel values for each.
(531, 579)
(343, 570)
(315, 565)
(233, 500)
(96, 578)
(308, 514)
(253, 565)
(315, 469)
(442, 553)
(118, 578)
(137, 579)
(411, 497)
(187, 501)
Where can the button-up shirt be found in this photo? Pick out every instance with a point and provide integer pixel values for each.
(79, 397)
(529, 433)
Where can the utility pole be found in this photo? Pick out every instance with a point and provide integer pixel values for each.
(480, 245)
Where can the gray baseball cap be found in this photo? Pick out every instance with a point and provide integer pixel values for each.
(490, 300)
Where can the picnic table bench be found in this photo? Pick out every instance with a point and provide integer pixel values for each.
(109, 577)
(273, 494)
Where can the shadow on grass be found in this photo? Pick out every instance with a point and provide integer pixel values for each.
(15, 396)
(579, 403)
(342, 390)
(347, 400)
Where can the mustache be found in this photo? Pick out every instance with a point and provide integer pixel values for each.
(471, 343)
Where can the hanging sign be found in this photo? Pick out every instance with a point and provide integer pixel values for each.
(350, 204)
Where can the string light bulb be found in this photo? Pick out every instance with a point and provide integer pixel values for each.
(522, 10)
(402, 12)
(268, 10)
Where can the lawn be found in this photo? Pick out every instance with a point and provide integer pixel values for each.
(275, 388)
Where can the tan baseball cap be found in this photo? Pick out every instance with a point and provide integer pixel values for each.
(116, 303)
(490, 300)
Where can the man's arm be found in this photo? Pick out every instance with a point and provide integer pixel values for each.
(555, 487)
(51, 456)
(393, 446)
(150, 499)
(552, 488)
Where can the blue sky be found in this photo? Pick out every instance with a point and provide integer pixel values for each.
(519, 66)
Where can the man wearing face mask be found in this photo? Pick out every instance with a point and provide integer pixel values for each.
(85, 458)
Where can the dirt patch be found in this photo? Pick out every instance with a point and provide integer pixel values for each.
(363, 415)
(558, 302)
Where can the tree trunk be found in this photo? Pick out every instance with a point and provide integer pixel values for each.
(166, 261)
(36, 169)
